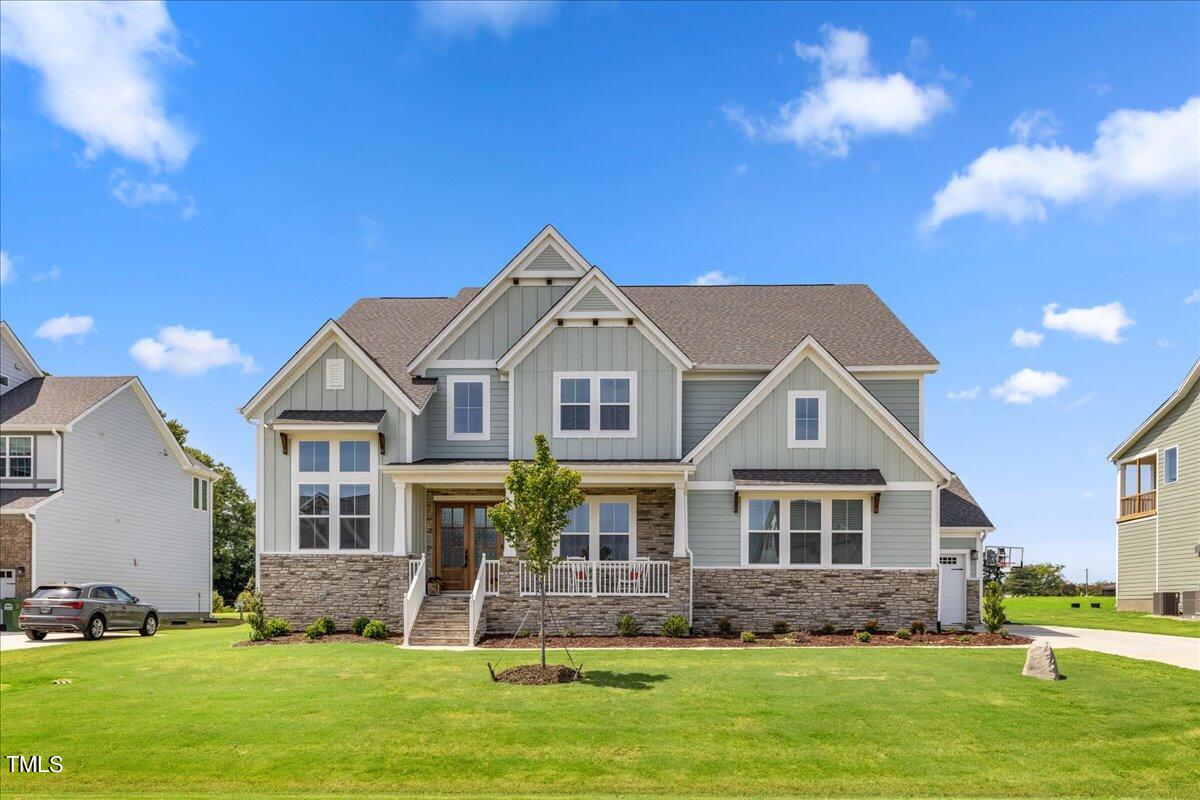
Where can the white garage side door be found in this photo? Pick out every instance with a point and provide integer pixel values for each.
(8, 583)
(952, 588)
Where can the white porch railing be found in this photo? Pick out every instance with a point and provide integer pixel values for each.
(415, 594)
(601, 578)
(487, 582)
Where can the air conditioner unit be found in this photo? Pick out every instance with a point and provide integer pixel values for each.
(1188, 602)
(1166, 604)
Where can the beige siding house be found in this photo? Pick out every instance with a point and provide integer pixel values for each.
(1158, 506)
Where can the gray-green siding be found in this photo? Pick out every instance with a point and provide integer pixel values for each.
(705, 403)
(902, 398)
(504, 322)
(583, 349)
(853, 440)
(434, 424)
(714, 532)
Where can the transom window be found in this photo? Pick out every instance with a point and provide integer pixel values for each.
(1170, 465)
(355, 456)
(601, 529)
(601, 404)
(468, 408)
(16, 456)
(806, 418)
(820, 531)
(314, 456)
(335, 509)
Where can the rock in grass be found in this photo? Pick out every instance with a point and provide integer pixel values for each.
(1040, 662)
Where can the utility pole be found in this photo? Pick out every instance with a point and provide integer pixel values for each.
(1085, 582)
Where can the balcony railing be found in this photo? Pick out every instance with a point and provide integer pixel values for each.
(1138, 505)
(643, 578)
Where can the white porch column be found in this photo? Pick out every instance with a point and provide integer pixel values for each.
(402, 536)
(681, 542)
(509, 550)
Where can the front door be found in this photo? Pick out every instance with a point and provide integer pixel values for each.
(465, 537)
(952, 589)
(8, 583)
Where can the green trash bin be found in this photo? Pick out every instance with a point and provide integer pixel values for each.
(10, 609)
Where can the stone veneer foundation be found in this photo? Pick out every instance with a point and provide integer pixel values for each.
(16, 549)
(806, 599)
(303, 586)
(974, 604)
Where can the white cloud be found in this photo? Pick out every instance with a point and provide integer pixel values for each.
(741, 169)
(501, 17)
(852, 100)
(187, 351)
(1162, 341)
(1029, 384)
(963, 394)
(135, 193)
(59, 328)
(1098, 322)
(99, 64)
(1194, 297)
(1035, 126)
(8, 272)
(52, 275)
(1024, 338)
(714, 278)
(1135, 153)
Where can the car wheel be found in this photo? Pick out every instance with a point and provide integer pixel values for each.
(34, 636)
(95, 628)
(149, 625)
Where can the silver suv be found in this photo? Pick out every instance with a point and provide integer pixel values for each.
(87, 608)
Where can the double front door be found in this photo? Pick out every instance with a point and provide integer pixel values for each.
(464, 538)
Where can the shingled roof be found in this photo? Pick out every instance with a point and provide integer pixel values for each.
(959, 509)
(55, 401)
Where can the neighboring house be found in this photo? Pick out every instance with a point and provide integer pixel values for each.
(1158, 504)
(93, 487)
(750, 452)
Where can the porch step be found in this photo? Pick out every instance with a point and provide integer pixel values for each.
(443, 620)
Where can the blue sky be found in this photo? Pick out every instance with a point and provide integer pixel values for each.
(250, 170)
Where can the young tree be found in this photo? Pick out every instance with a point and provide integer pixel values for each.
(1034, 580)
(993, 606)
(539, 495)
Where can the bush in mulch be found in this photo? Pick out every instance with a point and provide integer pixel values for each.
(300, 638)
(537, 675)
(795, 639)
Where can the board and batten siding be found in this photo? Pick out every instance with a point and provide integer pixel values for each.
(853, 440)
(902, 397)
(504, 322)
(705, 403)
(1178, 519)
(434, 419)
(585, 349)
(308, 393)
(125, 514)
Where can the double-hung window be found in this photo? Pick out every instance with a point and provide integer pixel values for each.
(601, 529)
(599, 404)
(806, 531)
(314, 516)
(1170, 465)
(200, 494)
(335, 507)
(847, 536)
(797, 531)
(16, 456)
(764, 532)
(574, 540)
(806, 421)
(614, 531)
(468, 408)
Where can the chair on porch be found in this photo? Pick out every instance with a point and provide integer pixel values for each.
(578, 575)
(633, 581)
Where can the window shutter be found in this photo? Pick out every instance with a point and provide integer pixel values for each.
(335, 373)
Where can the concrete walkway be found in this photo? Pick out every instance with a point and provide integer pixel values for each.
(16, 640)
(1179, 651)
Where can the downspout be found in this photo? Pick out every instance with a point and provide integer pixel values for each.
(32, 549)
(59, 470)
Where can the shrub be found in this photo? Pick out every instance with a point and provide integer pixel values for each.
(780, 627)
(1004, 634)
(257, 616)
(871, 626)
(827, 629)
(358, 625)
(570, 633)
(963, 639)
(748, 637)
(863, 636)
(903, 633)
(627, 625)
(993, 606)
(676, 627)
(218, 603)
(314, 631)
(968, 626)
(725, 626)
(276, 626)
(245, 596)
(325, 624)
(375, 629)
(524, 633)
(917, 626)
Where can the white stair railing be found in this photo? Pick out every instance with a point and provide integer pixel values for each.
(475, 606)
(414, 596)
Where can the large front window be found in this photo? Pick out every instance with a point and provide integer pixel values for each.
(16, 456)
(334, 502)
(601, 529)
(785, 531)
(601, 404)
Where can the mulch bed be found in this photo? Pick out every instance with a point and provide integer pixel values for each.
(537, 675)
(764, 640)
(300, 638)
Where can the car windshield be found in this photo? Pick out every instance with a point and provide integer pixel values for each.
(60, 592)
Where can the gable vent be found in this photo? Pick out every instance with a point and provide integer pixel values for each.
(548, 260)
(335, 373)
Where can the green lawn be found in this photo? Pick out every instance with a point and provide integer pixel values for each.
(1058, 611)
(184, 714)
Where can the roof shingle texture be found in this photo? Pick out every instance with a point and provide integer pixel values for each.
(840, 477)
(959, 509)
(55, 400)
(22, 499)
(373, 417)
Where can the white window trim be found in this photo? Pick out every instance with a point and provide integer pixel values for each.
(594, 402)
(785, 527)
(790, 417)
(1166, 450)
(451, 434)
(8, 439)
(335, 374)
(335, 478)
(593, 503)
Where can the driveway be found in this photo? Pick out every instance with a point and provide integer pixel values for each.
(16, 640)
(1179, 651)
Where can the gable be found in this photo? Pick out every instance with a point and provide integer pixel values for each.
(1147, 433)
(1181, 421)
(504, 322)
(550, 260)
(16, 363)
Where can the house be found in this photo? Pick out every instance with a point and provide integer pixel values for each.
(1158, 506)
(749, 452)
(93, 487)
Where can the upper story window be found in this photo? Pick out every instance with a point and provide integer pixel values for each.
(335, 505)
(16, 456)
(602, 404)
(1138, 487)
(199, 494)
(314, 456)
(354, 456)
(468, 408)
(806, 418)
(820, 532)
(601, 529)
(1170, 465)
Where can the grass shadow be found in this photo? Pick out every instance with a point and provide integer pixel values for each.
(638, 681)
